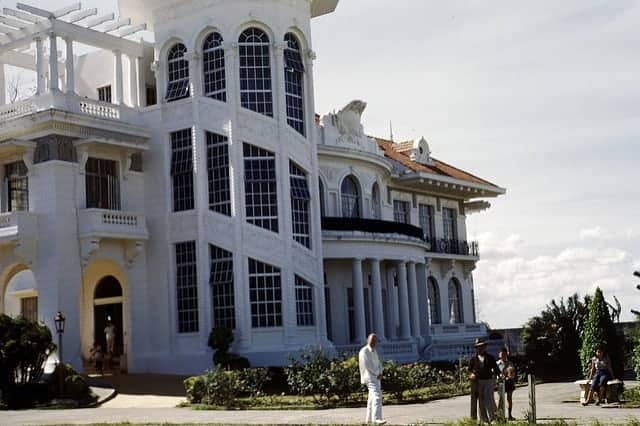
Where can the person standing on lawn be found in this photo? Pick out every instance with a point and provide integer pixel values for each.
(508, 374)
(371, 375)
(482, 373)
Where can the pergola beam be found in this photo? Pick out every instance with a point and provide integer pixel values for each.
(82, 15)
(99, 20)
(21, 15)
(67, 10)
(22, 60)
(122, 22)
(18, 25)
(132, 30)
(35, 11)
(97, 39)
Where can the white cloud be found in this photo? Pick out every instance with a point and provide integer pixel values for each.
(595, 233)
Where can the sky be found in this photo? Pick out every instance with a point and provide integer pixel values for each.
(542, 98)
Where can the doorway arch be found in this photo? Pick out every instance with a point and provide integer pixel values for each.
(107, 309)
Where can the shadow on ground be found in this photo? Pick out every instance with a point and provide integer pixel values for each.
(143, 384)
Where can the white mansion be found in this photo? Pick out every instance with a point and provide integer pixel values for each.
(187, 183)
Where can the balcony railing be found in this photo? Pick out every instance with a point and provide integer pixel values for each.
(15, 224)
(112, 224)
(370, 225)
(436, 245)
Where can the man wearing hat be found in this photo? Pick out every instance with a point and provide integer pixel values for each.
(483, 370)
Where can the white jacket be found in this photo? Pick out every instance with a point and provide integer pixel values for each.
(370, 366)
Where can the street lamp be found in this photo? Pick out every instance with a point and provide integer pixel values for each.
(59, 321)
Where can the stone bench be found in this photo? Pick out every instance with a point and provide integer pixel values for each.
(614, 387)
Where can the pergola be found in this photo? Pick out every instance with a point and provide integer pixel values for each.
(25, 25)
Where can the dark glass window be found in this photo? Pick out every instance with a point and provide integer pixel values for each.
(187, 287)
(401, 211)
(265, 294)
(182, 170)
(104, 94)
(455, 302)
(300, 201)
(215, 85)
(102, 184)
(222, 291)
(261, 197)
(108, 287)
(350, 195)
(29, 308)
(17, 177)
(434, 301)
(152, 95)
(375, 202)
(218, 172)
(304, 303)
(293, 83)
(323, 208)
(450, 225)
(177, 73)
(255, 71)
(427, 223)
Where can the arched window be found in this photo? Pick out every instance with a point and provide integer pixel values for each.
(323, 209)
(177, 73)
(108, 287)
(455, 302)
(434, 301)
(350, 195)
(255, 71)
(215, 84)
(293, 83)
(375, 202)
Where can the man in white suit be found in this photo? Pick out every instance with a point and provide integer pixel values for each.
(370, 375)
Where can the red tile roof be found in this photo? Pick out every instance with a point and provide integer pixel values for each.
(400, 153)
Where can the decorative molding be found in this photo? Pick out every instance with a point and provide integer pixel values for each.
(88, 247)
(27, 158)
(467, 268)
(54, 147)
(132, 250)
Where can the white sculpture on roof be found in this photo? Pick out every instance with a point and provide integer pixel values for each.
(345, 128)
(421, 152)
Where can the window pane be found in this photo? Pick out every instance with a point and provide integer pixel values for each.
(261, 199)
(265, 295)
(186, 287)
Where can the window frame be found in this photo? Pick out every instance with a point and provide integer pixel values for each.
(350, 204)
(100, 181)
(294, 84)
(178, 79)
(254, 47)
(256, 181)
(402, 211)
(181, 171)
(304, 299)
(265, 282)
(186, 276)
(16, 179)
(456, 296)
(218, 173)
(222, 282)
(300, 205)
(214, 74)
(433, 301)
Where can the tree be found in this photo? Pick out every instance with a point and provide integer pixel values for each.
(552, 340)
(636, 346)
(18, 88)
(600, 330)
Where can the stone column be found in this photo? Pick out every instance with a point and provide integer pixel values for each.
(358, 301)
(117, 77)
(392, 305)
(378, 312)
(142, 86)
(53, 63)
(413, 300)
(133, 82)
(71, 84)
(403, 302)
(3, 87)
(40, 68)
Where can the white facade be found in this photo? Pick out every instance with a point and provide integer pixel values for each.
(204, 207)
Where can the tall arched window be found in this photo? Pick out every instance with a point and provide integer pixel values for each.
(293, 83)
(323, 208)
(434, 301)
(215, 84)
(177, 73)
(350, 195)
(375, 202)
(255, 71)
(455, 302)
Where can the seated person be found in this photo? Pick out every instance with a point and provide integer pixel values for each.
(601, 366)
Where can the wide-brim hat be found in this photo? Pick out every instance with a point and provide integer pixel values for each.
(480, 342)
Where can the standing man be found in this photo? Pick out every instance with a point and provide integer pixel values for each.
(482, 372)
(370, 375)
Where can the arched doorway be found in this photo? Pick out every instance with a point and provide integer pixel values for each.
(107, 308)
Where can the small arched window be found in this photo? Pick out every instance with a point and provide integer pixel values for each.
(323, 208)
(455, 302)
(350, 195)
(215, 83)
(255, 71)
(434, 301)
(375, 202)
(107, 287)
(293, 83)
(177, 73)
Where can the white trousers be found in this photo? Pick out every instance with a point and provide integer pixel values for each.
(374, 401)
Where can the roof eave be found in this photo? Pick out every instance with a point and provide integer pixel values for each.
(483, 189)
(323, 7)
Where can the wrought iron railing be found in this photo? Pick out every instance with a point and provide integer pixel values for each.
(436, 245)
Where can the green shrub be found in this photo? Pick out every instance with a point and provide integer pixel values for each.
(195, 388)
(253, 380)
(221, 387)
(395, 379)
(220, 340)
(76, 388)
(636, 357)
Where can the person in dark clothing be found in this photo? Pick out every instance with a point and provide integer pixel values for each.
(483, 370)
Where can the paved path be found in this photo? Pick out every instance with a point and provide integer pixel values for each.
(140, 408)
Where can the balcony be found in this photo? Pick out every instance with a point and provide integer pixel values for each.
(17, 225)
(457, 247)
(114, 224)
(371, 226)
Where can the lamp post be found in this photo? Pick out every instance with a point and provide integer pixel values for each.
(59, 321)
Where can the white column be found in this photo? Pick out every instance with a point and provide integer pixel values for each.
(71, 85)
(403, 302)
(117, 77)
(133, 82)
(392, 304)
(3, 88)
(40, 68)
(142, 86)
(413, 300)
(378, 312)
(53, 63)
(358, 301)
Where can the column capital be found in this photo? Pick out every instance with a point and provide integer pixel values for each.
(280, 46)
(401, 262)
(374, 259)
(311, 55)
